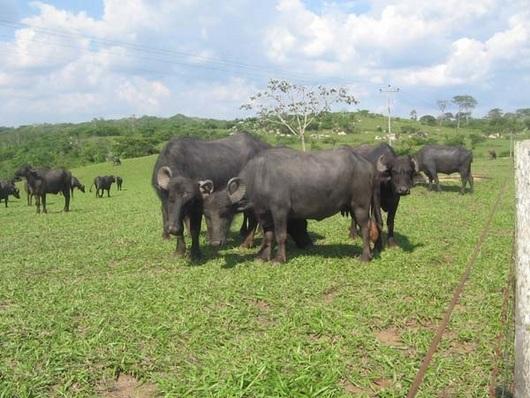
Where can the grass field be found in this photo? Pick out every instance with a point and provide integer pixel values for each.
(93, 303)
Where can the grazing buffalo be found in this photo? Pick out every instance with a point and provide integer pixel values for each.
(76, 184)
(102, 183)
(434, 159)
(184, 172)
(395, 176)
(492, 154)
(8, 188)
(119, 182)
(43, 181)
(282, 184)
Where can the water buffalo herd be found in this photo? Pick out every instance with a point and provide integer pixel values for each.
(276, 188)
(38, 182)
(280, 188)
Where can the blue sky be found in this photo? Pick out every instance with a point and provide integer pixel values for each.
(69, 61)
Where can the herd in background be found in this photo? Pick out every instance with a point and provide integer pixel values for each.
(280, 188)
(41, 181)
(276, 188)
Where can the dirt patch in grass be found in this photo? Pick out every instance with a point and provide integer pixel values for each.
(329, 294)
(350, 388)
(389, 337)
(382, 383)
(262, 305)
(127, 386)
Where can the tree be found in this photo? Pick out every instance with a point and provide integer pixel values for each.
(442, 105)
(465, 104)
(295, 106)
(413, 114)
(494, 114)
(428, 119)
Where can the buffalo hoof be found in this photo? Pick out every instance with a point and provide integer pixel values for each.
(264, 255)
(365, 258)
(279, 260)
(165, 236)
(180, 251)
(391, 243)
(196, 256)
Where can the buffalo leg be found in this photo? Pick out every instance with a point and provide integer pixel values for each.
(165, 233)
(251, 231)
(265, 252)
(362, 215)
(66, 194)
(180, 250)
(195, 219)
(437, 182)
(37, 203)
(5, 200)
(392, 209)
(297, 229)
(108, 193)
(470, 178)
(280, 230)
(44, 210)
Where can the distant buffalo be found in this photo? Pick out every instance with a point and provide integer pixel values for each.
(8, 188)
(102, 183)
(76, 184)
(119, 182)
(434, 159)
(492, 154)
(42, 181)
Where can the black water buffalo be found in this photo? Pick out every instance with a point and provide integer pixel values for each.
(492, 154)
(43, 181)
(75, 183)
(8, 188)
(282, 184)
(434, 159)
(119, 182)
(102, 183)
(395, 176)
(185, 168)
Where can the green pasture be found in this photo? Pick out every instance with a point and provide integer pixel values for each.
(94, 295)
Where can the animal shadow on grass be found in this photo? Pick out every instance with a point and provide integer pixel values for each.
(337, 251)
(404, 243)
(444, 188)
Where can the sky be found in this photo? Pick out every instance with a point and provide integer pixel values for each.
(73, 60)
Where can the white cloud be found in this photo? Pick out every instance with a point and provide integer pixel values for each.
(206, 58)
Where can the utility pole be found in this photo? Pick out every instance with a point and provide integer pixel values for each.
(389, 91)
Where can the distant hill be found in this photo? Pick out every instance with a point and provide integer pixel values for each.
(75, 144)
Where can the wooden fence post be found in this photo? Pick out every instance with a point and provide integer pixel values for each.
(522, 270)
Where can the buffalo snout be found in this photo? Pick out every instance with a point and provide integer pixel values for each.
(174, 230)
(403, 190)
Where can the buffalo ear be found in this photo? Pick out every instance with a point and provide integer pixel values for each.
(236, 189)
(163, 176)
(206, 188)
(415, 164)
(381, 165)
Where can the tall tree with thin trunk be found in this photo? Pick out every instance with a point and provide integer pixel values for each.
(465, 104)
(442, 106)
(295, 106)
